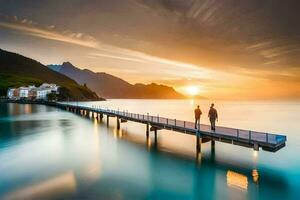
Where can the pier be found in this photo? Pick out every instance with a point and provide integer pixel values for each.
(246, 138)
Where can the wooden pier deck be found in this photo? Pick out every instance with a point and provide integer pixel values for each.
(246, 138)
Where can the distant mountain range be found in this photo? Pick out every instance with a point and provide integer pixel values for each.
(17, 70)
(109, 86)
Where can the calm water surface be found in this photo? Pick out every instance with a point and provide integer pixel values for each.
(47, 153)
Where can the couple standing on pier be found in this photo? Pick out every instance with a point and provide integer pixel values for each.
(212, 115)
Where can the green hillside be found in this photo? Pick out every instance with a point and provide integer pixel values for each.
(17, 70)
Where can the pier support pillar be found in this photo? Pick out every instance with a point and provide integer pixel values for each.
(107, 120)
(198, 144)
(212, 144)
(118, 123)
(147, 130)
(101, 116)
(155, 136)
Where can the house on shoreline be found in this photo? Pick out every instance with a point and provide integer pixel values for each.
(32, 92)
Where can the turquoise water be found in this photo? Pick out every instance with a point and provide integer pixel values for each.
(47, 153)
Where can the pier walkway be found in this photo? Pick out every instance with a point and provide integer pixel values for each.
(246, 138)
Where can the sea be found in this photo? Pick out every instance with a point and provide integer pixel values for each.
(48, 153)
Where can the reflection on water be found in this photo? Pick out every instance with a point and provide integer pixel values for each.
(46, 152)
(255, 154)
(237, 180)
(149, 143)
(255, 175)
(27, 109)
(51, 188)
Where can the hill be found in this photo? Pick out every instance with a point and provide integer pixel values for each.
(17, 70)
(109, 86)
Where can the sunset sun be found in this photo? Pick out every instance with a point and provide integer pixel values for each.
(192, 90)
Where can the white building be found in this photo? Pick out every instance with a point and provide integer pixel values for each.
(10, 93)
(32, 92)
(42, 93)
(24, 91)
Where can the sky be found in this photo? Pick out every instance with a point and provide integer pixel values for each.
(227, 49)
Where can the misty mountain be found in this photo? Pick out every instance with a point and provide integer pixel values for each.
(109, 86)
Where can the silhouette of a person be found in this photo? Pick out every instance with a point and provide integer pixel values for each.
(213, 116)
(198, 114)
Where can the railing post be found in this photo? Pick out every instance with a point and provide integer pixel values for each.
(175, 122)
(157, 118)
(238, 133)
(167, 121)
(267, 137)
(184, 124)
(250, 135)
(147, 116)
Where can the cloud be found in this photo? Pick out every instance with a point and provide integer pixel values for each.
(117, 57)
(101, 50)
(24, 28)
(51, 27)
(83, 40)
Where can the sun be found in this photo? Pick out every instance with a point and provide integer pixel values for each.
(192, 90)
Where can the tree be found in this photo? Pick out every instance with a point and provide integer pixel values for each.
(64, 94)
(51, 97)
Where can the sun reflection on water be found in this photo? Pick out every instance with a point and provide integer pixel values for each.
(149, 144)
(255, 154)
(237, 180)
(255, 176)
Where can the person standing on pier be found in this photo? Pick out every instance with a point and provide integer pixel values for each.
(213, 116)
(198, 114)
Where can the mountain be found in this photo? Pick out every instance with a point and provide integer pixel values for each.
(17, 70)
(109, 86)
